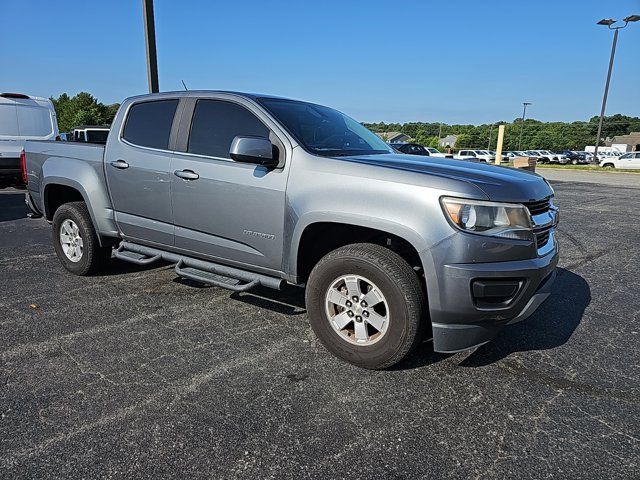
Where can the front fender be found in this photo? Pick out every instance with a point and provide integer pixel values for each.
(360, 220)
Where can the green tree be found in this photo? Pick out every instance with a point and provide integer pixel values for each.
(82, 109)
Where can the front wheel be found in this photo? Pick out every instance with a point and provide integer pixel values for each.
(366, 304)
(608, 165)
(75, 240)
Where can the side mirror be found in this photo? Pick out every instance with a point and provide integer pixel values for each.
(257, 150)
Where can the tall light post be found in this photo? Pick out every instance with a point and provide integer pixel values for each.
(524, 112)
(150, 40)
(609, 22)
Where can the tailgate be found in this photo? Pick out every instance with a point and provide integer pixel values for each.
(9, 164)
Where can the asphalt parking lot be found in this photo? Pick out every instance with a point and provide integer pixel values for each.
(137, 373)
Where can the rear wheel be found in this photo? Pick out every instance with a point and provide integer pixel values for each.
(75, 240)
(366, 304)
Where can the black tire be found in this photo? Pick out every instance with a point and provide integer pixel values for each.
(401, 288)
(609, 165)
(94, 257)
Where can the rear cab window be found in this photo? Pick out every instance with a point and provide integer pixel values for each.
(148, 124)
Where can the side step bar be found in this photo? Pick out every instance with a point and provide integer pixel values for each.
(203, 271)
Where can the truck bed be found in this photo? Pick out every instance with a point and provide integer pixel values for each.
(55, 159)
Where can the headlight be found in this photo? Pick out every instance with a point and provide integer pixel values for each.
(504, 220)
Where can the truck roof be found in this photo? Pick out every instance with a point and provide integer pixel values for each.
(93, 127)
(188, 93)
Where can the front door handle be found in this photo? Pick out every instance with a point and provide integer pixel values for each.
(186, 174)
(121, 164)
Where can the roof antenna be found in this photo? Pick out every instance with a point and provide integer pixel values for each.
(184, 85)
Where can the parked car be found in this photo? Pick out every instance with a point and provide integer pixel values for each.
(628, 160)
(503, 157)
(22, 118)
(553, 157)
(575, 157)
(90, 134)
(608, 155)
(240, 190)
(511, 154)
(483, 155)
(434, 152)
(417, 149)
(540, 158)
(411, 149)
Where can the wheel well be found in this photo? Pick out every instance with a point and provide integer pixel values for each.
(318, 239)
(57, 195)
(609, 165)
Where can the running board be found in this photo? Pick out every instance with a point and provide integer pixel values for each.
(209, 273)
(214, 279)
(133, 257)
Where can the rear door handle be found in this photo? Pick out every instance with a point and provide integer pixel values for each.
(186, 174)
(121, 164)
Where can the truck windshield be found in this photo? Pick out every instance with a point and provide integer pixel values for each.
(324, 131)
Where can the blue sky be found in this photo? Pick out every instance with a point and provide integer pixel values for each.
(394, 61)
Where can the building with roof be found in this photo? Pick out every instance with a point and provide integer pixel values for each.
(448, 142)
(395, 137)
(632, 141)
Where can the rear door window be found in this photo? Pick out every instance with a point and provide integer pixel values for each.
(34, 121)
(216, 123)
(149, 124)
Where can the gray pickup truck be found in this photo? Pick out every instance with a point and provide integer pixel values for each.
(239, 190)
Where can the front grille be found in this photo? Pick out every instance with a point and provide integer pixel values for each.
(541, 206)
(542, 236)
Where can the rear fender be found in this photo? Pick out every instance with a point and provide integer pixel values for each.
(88, 180)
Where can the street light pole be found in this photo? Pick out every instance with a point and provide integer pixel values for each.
(608, 22)
(150, 40)
(524, 112)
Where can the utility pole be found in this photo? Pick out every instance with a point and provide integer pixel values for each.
(609, 22)
(150, 40)
(524, 112)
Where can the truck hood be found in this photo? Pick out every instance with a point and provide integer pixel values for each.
(498, 183)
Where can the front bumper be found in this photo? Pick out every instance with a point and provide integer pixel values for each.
(460, 321)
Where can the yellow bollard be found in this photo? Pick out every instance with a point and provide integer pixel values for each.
(499, 145)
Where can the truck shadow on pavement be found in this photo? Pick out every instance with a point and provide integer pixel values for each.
(549, 327)
(12, 206)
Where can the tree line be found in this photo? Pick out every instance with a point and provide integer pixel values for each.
(555, 136)
(85, 109)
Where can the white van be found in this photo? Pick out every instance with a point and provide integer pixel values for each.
(22, 118)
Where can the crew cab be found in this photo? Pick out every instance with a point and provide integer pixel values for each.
(240, 190)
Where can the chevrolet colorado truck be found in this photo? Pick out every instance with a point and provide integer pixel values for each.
(239, 190)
